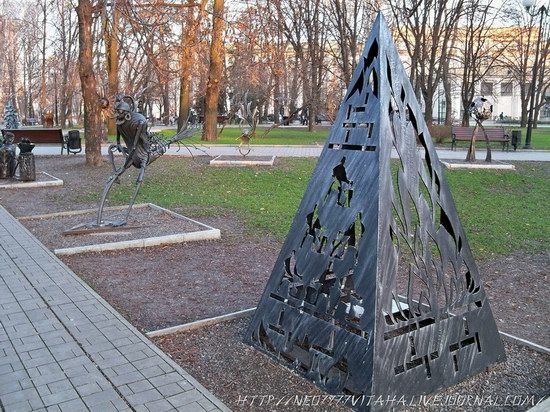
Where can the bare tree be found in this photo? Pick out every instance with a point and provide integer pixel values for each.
(348, 25)
(519, 60)
(65, 55)
(305, 29)
(426, 29)
(478, 49)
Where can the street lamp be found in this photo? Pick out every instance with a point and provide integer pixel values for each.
(543, 11)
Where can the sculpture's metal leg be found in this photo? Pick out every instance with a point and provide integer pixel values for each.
(471, 155)
(139, 180)
(112, 179)
(488, 156)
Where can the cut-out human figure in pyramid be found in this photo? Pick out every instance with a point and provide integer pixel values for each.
(375, 291)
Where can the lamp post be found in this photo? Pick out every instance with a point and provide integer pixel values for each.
(543, 11)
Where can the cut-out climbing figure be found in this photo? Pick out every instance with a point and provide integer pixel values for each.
(340, 177)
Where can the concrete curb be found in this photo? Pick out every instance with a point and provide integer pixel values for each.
(523, 342)
(24, 185)
(543, 406)
(139, 243)
(200, 323)
(494, 166)
(243, 162)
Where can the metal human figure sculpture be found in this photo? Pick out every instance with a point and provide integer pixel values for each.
(140, 149)
(8, 162)
(481, 110)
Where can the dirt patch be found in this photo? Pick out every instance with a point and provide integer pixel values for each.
(167, 286)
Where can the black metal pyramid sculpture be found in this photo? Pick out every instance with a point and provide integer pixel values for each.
(375, 291)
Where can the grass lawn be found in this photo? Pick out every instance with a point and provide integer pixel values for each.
(502, 211)
(540, 138)
(264, 136)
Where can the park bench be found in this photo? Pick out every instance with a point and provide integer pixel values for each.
(495, 134)
(38, 135)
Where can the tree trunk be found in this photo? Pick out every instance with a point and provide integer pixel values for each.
(187, 60)
(428, 108)
(215, 74)
(43, 69)
(112, 64)
(92, 119)
(185, 99)
(465, 113)
(165, 104)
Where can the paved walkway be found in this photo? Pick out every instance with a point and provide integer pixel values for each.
(63, 348)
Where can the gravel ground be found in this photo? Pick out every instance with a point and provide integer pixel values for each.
(236, 373)
(166, 286)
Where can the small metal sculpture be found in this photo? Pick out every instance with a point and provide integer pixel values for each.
(140, 149)
(247, 133)
(481, 110)
(375, 291)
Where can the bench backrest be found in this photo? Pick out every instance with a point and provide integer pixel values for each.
(37, 135)
(466, 132)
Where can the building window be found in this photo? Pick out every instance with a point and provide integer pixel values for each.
(486, 89)
(506, 89)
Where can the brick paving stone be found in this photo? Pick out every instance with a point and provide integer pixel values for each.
(184, 398)
(89, 389)
(74, 405)
(60, 396)
(161, 405)
(207, 405)
(191, 407)
(170, 389)
(127, 378)
(9, 387)
(144, 397)
(22, 406)
(152, 372)
(140, 386)
(49, 378)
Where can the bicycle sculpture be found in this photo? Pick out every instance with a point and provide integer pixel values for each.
(247, 133)
(140, 149)
(481, 110)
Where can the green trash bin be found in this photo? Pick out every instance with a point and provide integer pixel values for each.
(516, 139)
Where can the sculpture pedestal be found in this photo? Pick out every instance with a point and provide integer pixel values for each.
(27, 170)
